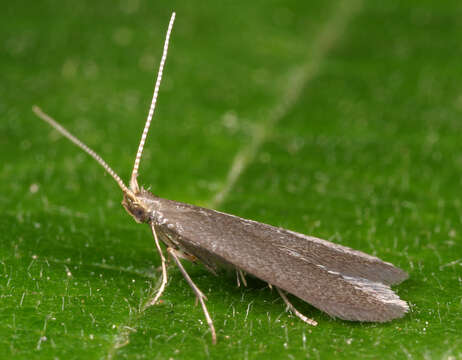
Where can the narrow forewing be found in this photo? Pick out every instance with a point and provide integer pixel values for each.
(343, 282)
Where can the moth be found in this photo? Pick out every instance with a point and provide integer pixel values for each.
(344, 283)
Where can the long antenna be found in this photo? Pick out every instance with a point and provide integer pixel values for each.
(47, 118)
(133, 183)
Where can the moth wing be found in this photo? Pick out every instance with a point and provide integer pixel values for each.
(334, 257)
(342, 282)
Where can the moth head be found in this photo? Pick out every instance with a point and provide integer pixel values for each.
(136, 207)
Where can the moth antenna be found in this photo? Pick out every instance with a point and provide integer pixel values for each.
(133, 183)
(48, 119)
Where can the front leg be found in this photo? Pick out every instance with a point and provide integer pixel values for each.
(164, 268)
(200, 296)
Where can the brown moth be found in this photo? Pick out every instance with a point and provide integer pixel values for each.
(340, 281)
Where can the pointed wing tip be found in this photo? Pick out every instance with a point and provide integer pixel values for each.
(396, 307)
(400, 276)
(376, 302)
(389, 306)
(382, 314)
(394, 275)
(396, 310)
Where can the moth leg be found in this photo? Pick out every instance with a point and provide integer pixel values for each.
(200, 296)
(192, 258)
(294, 310)
(242, 275)
(164, 268)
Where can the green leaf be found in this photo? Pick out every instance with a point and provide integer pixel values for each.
(338, 119)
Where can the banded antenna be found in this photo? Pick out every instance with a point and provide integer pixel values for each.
(133, 182)
(47, 118)
(134, 188)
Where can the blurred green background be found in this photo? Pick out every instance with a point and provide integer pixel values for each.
(339, 119)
